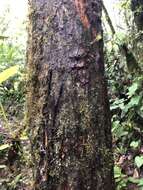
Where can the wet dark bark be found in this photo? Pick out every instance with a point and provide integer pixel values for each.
(68, 111)
(137, 8)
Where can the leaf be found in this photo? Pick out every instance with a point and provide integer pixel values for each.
(134, 144)
(117, 171)
(134, 102)
(122, 106)
(140, 182)
(118, 130)
(2, 166)
(139, 161)
(8, 73)
(117, 104)
(17, 178)
(113, 107)
(4, 146)
(133, 180)
(140, 111)
(132, 89)
(98, 37)
(15, 181)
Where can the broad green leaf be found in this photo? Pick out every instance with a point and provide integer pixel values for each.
(113, 107)
(117, 104)
(134, 102)
(133, 180)
(121, 106)
(139, 161)
(134, 144)
(17, 178)
(4, 146)
(127, 107)
(117, 171)
(140, 182)
(132, 89)
(8, 73)
(118, 130)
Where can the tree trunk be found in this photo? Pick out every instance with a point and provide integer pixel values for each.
(67, 104)
(137, 8)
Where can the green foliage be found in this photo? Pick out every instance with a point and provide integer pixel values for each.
(135, 144)
(15, 181)
(120, 178)
(4, 146)
(6, 74)
(12, 57)
(126, 100)
(139, 161)
(12, 61)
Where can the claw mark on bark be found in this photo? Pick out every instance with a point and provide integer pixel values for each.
(57, 104)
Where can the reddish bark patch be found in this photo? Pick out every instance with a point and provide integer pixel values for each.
(81, 9)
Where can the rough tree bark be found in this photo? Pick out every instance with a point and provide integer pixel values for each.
(68, 111)
(137, 8)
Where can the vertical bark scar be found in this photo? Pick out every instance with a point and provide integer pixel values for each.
(57, 104)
